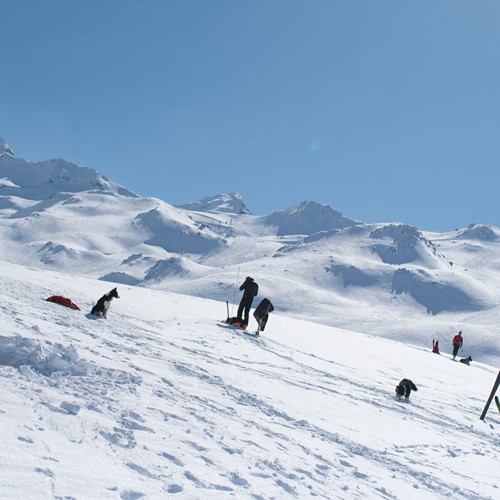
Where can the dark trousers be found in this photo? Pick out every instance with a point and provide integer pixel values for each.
(261, 321)
(244, 308)
(456, 347)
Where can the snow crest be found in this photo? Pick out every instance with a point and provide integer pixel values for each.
(479, 232)
(307, 218)
(232, 203)
(39, 181)
(406, 244)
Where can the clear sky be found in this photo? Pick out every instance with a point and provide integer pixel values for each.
(387, 110)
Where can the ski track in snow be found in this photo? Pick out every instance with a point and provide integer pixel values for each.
(218, 420)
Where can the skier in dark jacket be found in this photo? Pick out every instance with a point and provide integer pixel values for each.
(250, 290)
(261, 313)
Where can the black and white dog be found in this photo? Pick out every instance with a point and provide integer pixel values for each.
(102, 306)
(404, 388)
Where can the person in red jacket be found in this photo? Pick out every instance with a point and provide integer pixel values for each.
(435, 346)
(457, 343)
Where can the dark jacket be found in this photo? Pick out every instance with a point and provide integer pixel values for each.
(251, 289)
(263, 308)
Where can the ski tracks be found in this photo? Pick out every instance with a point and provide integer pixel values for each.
(201, 413)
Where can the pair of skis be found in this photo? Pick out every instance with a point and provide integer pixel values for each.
(225, 324)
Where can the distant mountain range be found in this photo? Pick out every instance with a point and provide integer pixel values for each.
(312, 261)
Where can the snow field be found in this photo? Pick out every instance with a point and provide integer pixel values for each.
(160, 401)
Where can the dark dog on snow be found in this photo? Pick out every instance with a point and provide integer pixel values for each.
(102, 306)
(466, 360)
(404, 388)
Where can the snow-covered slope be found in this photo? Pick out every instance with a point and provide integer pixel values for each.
(161, 402)
(386, 279)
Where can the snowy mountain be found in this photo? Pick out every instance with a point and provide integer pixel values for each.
(161, 401)
(40, 181)
(307, 218)
(310, 260)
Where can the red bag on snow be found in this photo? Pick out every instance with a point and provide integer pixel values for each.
(64, 301)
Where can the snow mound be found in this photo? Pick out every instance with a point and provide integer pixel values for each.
(322, 237)
(137, 263)
(11, 205)
(175, 266)
(120, 277)
(232, 203)
(53, 253)
(134, 259)
(45, 359)
(176, 232)
(481, 232)
(407, 244)
(435, 295)
(307, 218)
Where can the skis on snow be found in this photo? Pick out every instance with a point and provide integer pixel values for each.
(225, 324)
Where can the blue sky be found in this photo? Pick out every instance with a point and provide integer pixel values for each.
(385, 110)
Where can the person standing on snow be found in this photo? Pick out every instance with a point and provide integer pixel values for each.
(435, 346)
(261, 313)
(250, 290)
(457, 344)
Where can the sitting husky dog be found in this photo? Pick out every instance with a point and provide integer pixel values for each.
(466, 360)
(404, 388)
(102, 306)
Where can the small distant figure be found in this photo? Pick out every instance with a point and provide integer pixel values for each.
(261, 314)
(435, 346)
(250, 290)
(102, 305)
(457, 344)
(404, 388)
(466, 360)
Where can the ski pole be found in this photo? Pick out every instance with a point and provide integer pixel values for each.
(234, 296)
